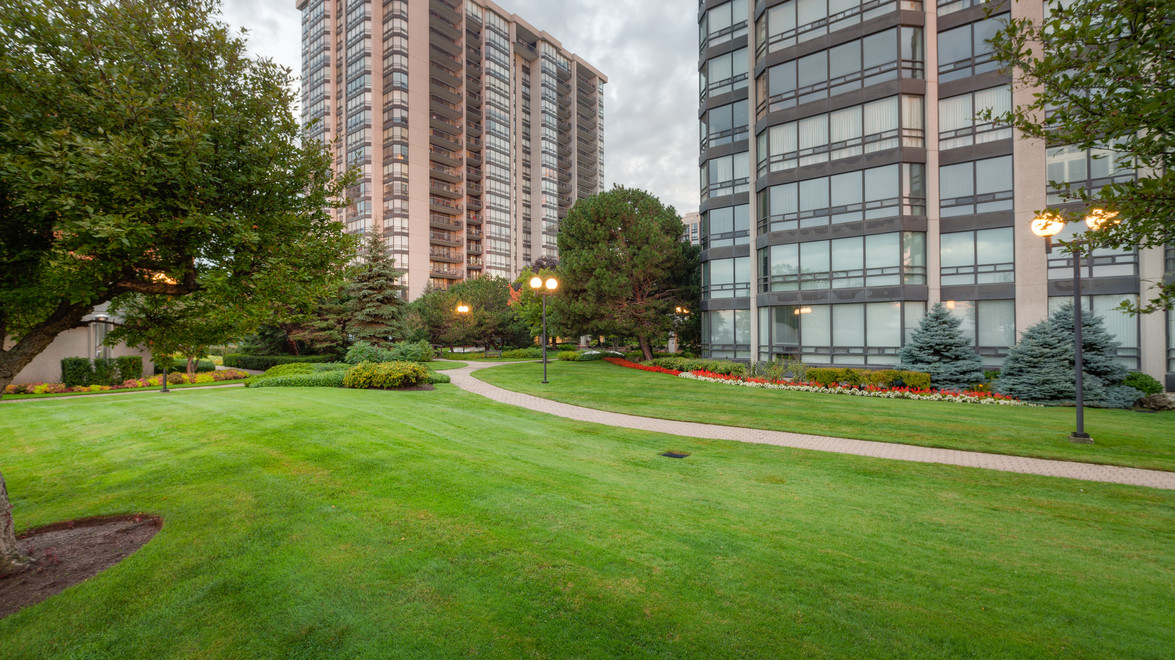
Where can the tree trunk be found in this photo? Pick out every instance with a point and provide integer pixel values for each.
(37, 339)
(646, 347)
(191, 369)
(12, 559)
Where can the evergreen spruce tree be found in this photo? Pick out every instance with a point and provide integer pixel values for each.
(376, 303)
(939, 348)
(1039, 368)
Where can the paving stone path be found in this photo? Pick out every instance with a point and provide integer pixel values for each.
(463, 378)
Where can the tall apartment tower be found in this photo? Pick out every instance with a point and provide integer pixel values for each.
(846, 184)
(473, 131)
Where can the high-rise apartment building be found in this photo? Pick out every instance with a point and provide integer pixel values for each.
(847, 183)
(473, 131)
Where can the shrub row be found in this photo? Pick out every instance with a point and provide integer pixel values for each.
(333, 378)
(403, 351)
(81, 372)
(133, 383)
(202, 366)
(639, 356)
(677, 363)
(523, 353)
(262, 362)
(888, 378)
(385, 375)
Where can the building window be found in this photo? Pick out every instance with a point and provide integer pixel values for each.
(877, 126)
(725, 124)
(726, 334)
(795, 22)
(849, 67)
(1121, 325)
(726, 278)
(724, 74)
(726, 226)
(951, 6)
(1171, 340)
(723, 23)
(964, 51)
(979, 186)
(1101, 262)
(860, 261)
(1091, 169)
(878, 192)
(726, 176)
(977, 257)
(990, 324)
(851, 334)
(958, 125)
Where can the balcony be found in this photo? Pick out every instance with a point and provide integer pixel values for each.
(473, 248)
(444, 273)
(447, 126)
(527, 51)
(443, 91)
(474, 263)
(473, 98)
(441, 29)
(440, 60)
(473, 173)
(445, 108)
(445, 173)
(442, 206)
(445, 156)
(447, 81)
(473, 128)
(473, 143)
(444, 189)
(445, 140)
(448, 256)
(471, 233)
(444, 238)
(473, 203)
(473, 70)
(445, 12)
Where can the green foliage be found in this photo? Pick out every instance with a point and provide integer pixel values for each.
(888, 378)
(332, 378)
(323, 329)
(404, 351)
(524, 353)
(592, 355)
(289, 369)
(105, 372)
(262, 362)
(146, 160)
(1144, 383)
(130, 367)
(1117, 396)
(385, 375)
(419, 351)
(620, 251)
(375, 297)
(723, 367)
(435, 377)
(1102, 75)
(76, 371)
(939, 348)
(568, 356)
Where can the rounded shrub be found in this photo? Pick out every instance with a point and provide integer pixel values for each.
(385, 375)
(1144, 383)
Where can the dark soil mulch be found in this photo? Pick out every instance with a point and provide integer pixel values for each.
(71, 552)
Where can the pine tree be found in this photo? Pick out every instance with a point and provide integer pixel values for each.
(939, 348)
(376, 303)
(1039, 368)
(1099, 351)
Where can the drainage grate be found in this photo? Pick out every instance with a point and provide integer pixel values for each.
(673, 454)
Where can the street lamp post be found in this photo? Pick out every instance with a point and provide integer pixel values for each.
(1047, 225)
(544, 289)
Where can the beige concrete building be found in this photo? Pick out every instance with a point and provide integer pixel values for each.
(847, 183)
(85, 342)
(693, 228)
(474, 132)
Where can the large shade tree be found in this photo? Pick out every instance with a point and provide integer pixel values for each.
(620, 257)
(1104, 76)
(144, 153)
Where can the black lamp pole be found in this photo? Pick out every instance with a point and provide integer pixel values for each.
(544, 339)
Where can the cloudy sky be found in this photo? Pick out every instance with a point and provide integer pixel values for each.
(647, 48)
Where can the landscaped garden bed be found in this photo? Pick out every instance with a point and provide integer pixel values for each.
(177, 380)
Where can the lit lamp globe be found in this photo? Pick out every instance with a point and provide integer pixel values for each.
(536, 282)
(1099, 218)
(1047, 225)
(552, 284)
(463, 309)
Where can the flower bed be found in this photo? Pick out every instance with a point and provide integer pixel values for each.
(985, 398)
(134, 383)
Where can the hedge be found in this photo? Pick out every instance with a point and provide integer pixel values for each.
(263, 362)
(887, 378)
(332, 378)
(523, 353)
(385, 375)
(76, 371)
(724, 367)
(181, 366)
(130, 367)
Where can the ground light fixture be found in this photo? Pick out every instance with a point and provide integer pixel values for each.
(1047, 225)
(544, 289)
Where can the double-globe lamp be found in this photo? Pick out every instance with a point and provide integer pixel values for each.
(544, 289)
(1046, 225)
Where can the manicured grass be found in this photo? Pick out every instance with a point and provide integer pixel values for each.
(307, 522)
(1122, 437)
(437, 365)
(21, 397)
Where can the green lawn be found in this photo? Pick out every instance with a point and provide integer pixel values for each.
(344, 523)
(1122, 437)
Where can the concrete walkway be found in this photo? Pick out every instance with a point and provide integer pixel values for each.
(464, 379)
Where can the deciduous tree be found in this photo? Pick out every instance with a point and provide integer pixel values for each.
(1104, 76)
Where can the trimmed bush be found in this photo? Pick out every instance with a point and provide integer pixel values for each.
(263, 362)
(76, 371)
(1144, 383)
(405, 351)
(567, 356)
(289, 369)
(435, 377)
(105, 372)
(330, 366)
(723, 367)
(332, 378)
(385, 375)
(130, 367)
(523, 353)
(886, 378)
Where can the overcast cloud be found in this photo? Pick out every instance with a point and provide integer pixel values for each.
(648, 49)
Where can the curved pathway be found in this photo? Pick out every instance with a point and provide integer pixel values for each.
(463, 378)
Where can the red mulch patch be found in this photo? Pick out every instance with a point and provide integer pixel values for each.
(71, 552)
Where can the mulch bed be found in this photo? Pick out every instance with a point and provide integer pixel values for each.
(71, 552)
